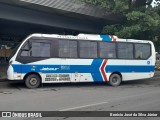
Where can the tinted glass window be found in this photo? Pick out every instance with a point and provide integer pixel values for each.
(37, 49)
(88, 49)
(25, 52)
(40, 49)
(125, 50)
(107, 50)
(142, 51)
(68, 48)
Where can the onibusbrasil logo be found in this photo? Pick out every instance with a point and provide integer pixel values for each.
(21, 115)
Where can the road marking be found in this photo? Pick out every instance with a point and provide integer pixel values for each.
(111, 100)
(83, 106)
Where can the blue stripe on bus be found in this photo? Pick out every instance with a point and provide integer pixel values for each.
(128, 69)
(82, 68)
(106, 38)
(93, 69)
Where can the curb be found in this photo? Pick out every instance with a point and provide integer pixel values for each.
(3, 79)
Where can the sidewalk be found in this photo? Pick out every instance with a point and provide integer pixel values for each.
(3, 71)
(2, 79)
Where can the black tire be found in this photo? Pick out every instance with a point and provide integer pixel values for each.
(115, 80)
(32, 81)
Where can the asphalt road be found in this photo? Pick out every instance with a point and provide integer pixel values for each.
(139, 95)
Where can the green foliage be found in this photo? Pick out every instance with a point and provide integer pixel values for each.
(142, 19)
(112, 5)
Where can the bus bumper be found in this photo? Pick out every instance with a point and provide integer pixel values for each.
(10, 73)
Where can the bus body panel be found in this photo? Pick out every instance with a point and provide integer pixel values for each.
(82, 70)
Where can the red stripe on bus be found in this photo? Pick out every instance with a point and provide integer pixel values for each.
(103, 70)
(113, 38)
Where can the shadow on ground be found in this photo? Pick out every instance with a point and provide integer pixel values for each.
(134, 83)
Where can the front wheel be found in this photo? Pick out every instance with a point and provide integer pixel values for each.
(32, 81)
(115, 80)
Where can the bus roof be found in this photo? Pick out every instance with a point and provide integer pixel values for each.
(94, 37)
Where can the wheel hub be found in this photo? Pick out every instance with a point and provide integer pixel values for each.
(114, 80)
(33, 81)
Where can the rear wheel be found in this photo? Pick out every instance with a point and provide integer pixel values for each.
(115, 80)
(32, 81)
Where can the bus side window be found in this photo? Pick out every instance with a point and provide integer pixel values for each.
(37, 49)
(88, 49)
(125, 50)
(142, 51)
(107, 50)
(68, 49)
(25, 50)
(40, 49)
(138, 54)
(24, 53)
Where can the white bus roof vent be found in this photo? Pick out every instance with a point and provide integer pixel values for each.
(89, 36)
(82, 35)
